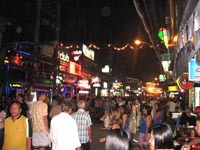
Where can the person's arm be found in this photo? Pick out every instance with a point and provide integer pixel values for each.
(28, 134)
(78, 148)
(102, 140)
(159, 113)
(45, 116)
(51, 113)
(45, 119)
(28, 143)
(148, 124)
(124, 118)
(90, 133)
(194, 141)
(103, 118)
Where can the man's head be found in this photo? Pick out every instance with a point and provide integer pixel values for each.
(66, 106)
(30, 97)
(81, 104)
(42, 96)
(188, 112)
(197, 127)
(15, 109)
(20, 98)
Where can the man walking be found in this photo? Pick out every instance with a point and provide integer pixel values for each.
(84, 123)
(64, 131)
(41, 139)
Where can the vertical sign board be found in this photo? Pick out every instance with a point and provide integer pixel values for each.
(194, 70)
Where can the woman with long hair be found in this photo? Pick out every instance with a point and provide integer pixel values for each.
(158, 114)
(115, 122)
(161, 138)
(145, 128)
(117, 139)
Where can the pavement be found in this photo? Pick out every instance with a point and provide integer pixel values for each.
(99, 132)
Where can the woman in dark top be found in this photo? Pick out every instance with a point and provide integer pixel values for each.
(187, 117)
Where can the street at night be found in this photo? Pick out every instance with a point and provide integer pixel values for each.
(99, 75)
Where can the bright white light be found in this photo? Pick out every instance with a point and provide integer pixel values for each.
(83, 92)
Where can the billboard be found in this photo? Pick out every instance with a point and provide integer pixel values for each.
(194, 70)
(89, 53)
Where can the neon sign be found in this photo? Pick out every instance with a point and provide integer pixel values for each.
(88, 52)
(74, 68)
(15, 85)
(76, 54)
(63, 56)
(84, 84)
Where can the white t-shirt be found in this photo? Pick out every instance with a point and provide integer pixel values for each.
(64, 132)
(30, 106)
(172, 106)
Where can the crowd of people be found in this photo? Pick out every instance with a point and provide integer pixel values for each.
(67, 123)
(28, 124)
(152, 119)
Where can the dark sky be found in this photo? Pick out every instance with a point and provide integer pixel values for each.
(88, 21)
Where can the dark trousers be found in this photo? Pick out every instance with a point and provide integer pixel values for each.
(1, 138)
(85, 146)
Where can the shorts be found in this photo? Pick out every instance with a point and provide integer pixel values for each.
(41, 139)
(141, 139)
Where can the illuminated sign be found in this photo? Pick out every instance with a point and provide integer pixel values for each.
(59, 79)
(184, 82)
(95, 80)
(105, 85)
(194, 70)
(63, 68)
(128, 88)
(105, 69)
(162, 77)
(96, 85)
(84, 84)
(63, 56)
(88, 52)
(83, 92)
(173, 88)
(76, 54)
(197, 109)
(117, 85)
(165, 65)
(74, 68)
(15, 85)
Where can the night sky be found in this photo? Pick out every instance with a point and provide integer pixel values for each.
(90, 21)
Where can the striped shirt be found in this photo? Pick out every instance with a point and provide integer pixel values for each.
(83, 121)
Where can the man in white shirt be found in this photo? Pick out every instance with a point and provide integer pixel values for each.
(64, 131)
(171, 105)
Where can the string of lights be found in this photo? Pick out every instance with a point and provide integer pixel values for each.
(93, 46)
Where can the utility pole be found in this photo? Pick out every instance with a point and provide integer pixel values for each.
(37, 27)
(56, 47)
(110, 69)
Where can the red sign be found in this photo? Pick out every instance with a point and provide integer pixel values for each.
(63, 68)
(74, 68)
(184, 82)
(197, 109)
